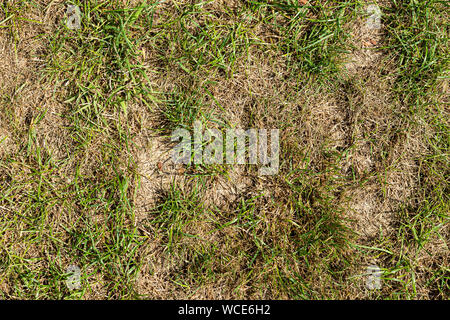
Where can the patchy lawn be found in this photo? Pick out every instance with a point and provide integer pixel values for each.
(86, 176)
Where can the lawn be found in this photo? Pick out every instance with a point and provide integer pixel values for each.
(87, 180)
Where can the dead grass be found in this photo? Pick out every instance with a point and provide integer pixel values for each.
(86, 175)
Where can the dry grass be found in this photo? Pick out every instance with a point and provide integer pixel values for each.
(86, 176)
